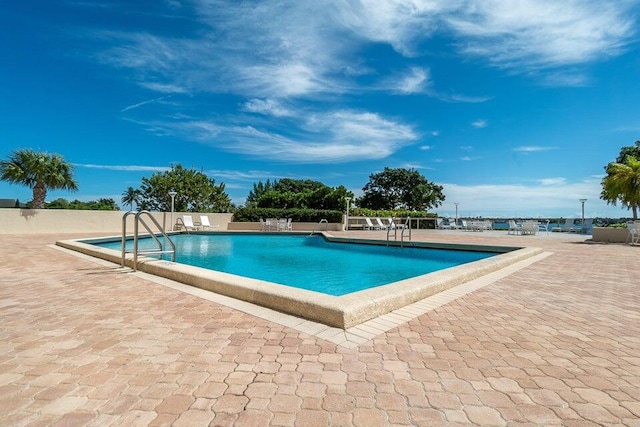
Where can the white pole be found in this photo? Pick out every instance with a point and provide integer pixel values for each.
(346, 223)
(173, 197)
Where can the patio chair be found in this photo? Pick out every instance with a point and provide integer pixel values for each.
(380, 224)
(568, 224)
(369, 225)
(514, 227)
(544, 226)
(204, 222)
(440, 225)
(188, 223)
(529, 227)
(634, 232)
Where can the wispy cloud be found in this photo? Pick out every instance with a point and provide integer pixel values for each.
(269, 107)
(536, 34)
(548, 196)
(480, 124)
(552, 181)
(322, 137)
(415, 80)
(239, 175)
(140, 104)
(533, 148)
(128, 168)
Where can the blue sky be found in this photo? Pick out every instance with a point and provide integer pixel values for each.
(515, 107)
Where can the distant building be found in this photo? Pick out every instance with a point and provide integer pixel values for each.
(11, 203)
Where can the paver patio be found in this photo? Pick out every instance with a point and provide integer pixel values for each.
(88, 344)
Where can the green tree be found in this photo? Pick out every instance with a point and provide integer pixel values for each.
(400, 189)
(39, 171)
(130, 197)
(93, 205)
(631, 150)
(622, 184)
(259, 189)
(290, 193)
(196, 192)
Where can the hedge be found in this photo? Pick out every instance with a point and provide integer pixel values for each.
(297, 215)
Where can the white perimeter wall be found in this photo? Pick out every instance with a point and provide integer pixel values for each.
(25, 221)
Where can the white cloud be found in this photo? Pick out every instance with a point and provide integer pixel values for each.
(533, 148)
(140, 104)
(552, 181)
(130, 168)
(425, 147)
(416, 80)
(322, 137)
(479, 124)
(559, 199)
(301, 49)
(543, 33)
(269, 107)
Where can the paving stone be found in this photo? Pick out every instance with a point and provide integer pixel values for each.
(555, 343)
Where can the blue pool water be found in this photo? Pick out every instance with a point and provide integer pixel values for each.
(311, 263)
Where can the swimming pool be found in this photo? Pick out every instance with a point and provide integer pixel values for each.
(344, 311)
(311, 262)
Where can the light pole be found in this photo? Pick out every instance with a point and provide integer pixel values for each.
(173, 198)
(456, 203)
(346, 223)
(582, 201)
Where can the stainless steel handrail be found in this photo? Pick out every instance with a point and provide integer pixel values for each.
(138, 220)
(318, 225)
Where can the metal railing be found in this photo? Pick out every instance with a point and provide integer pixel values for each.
(318, 225)
(161, 247)
(393, 226)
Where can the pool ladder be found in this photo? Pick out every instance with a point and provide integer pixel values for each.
(140, 220)
(323, 220)
(403, 227)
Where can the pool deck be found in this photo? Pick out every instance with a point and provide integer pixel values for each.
(554, 341)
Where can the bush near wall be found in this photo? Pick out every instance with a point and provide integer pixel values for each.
(296, 215)
(398, 214)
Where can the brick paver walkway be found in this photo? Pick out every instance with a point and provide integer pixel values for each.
(556, 343)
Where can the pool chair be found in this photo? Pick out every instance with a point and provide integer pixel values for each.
(585, 228)
(440, 225)
(544, 226)
(567, 226)
(188, 223)
(393, 225)
(514, 227)
(204, 222)
(369, 225)
(381, 226)
(634, 232)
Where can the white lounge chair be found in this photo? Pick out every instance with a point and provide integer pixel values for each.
(369, 225)
(381, 226)
(584, 228)
(393, 225)
(634, 232)
(204, 222)
(568, 224)
(440, 225)
(188, 223)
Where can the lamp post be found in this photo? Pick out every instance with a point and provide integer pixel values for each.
(582, 201)
(346, 223)
(173, 198)
(456, 203)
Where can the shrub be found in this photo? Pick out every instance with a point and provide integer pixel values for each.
(296, 215)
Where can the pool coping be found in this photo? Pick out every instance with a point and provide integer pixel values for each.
(342, 312)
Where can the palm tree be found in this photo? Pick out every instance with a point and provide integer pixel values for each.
(39, 171)
(130, 197)
(622, 183)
